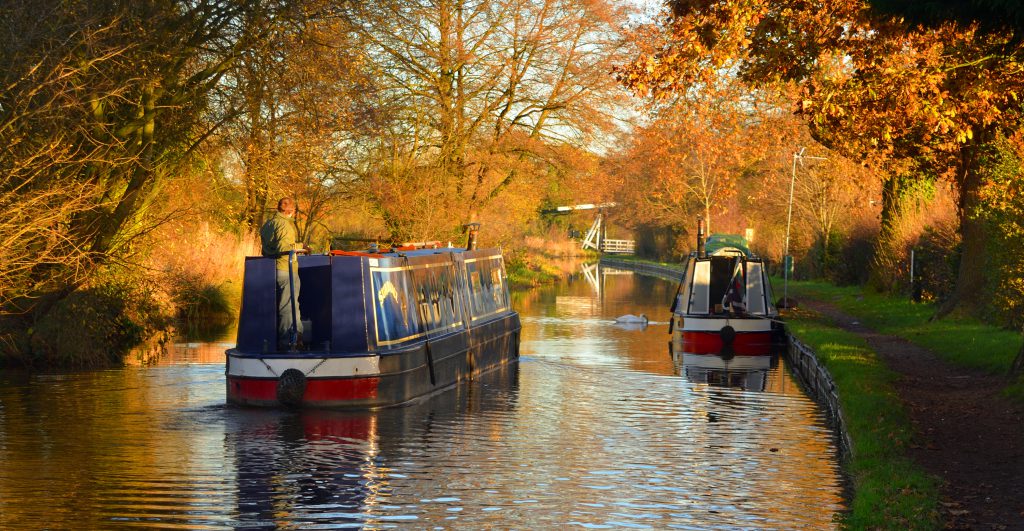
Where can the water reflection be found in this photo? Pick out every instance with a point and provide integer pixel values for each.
(338, 469)
(293, 467)
(596, 427)
(333, 469)
(749, 373)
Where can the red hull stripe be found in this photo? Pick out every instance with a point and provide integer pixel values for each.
(317, 390)
(752, 344)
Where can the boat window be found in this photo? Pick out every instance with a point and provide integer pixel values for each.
(413, 301)
(723, 270)
(700, 290)
(396, 314)
(683, 293)
(755, 288)
(435, 296)
(488, 293)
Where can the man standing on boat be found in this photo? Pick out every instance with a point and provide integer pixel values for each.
(279, 237)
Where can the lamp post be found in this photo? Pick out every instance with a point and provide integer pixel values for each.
(786, 259)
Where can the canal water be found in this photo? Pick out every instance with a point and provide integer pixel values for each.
(596, 427)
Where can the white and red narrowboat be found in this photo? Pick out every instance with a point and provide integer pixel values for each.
(381, 328)
(724, 301)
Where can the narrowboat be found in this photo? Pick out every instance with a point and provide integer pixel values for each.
(381, 328)
(724, 301)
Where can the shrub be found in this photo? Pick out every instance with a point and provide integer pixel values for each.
(99, 325)
(936, 258)
(195, 296)
(855, 256)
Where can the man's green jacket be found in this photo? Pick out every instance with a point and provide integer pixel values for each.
(278, 236)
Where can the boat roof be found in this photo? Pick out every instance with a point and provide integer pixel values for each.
(727, 244)
(396, 252)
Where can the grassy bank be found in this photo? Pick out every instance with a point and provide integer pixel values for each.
(962, 341)
(890, 492)
(533, 268)
(526, 271)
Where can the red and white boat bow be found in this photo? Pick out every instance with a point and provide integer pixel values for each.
(724, 301)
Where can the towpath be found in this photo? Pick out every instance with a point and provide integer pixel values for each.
(967, 434)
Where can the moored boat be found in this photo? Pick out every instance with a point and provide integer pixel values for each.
(724, 301)
(381, 328)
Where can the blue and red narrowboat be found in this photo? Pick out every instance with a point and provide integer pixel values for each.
(724, 301)
(381, 328)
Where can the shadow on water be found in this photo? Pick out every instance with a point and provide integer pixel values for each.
(207, 328)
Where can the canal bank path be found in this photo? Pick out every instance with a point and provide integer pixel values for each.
(966, 433)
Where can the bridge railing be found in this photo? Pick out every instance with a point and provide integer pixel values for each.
(618, 246)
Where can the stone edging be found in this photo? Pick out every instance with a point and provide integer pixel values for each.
(802, 360)
(819, 384)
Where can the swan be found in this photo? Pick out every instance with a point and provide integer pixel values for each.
(632, 319)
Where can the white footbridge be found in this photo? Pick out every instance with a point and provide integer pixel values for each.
(595, 238)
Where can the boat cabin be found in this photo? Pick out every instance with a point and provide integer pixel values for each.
(359, 302)
(728, 280)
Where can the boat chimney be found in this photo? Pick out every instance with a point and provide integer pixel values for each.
(471, 230)
(700, 237)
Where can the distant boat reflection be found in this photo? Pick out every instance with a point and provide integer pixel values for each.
(749, 373)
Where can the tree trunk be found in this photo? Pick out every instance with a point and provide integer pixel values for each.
(1017, 368)
(894, 190)
(969, 293)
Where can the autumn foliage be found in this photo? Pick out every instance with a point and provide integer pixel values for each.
(871, 86)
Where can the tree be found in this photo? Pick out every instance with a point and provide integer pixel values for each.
(692, 153)
(102, 103)
(825, 192)
(698, 151)
(871, 84)
(473, 96)
(1003, 197)
(990, 15)
(295, 102)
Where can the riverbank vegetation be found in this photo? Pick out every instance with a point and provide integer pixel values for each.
(144, 143)
(544, 260)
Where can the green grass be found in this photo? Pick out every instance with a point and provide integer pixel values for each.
(960, 340)
(890, 492)
(528, 271)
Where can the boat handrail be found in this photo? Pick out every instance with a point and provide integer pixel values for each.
(356, 253)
